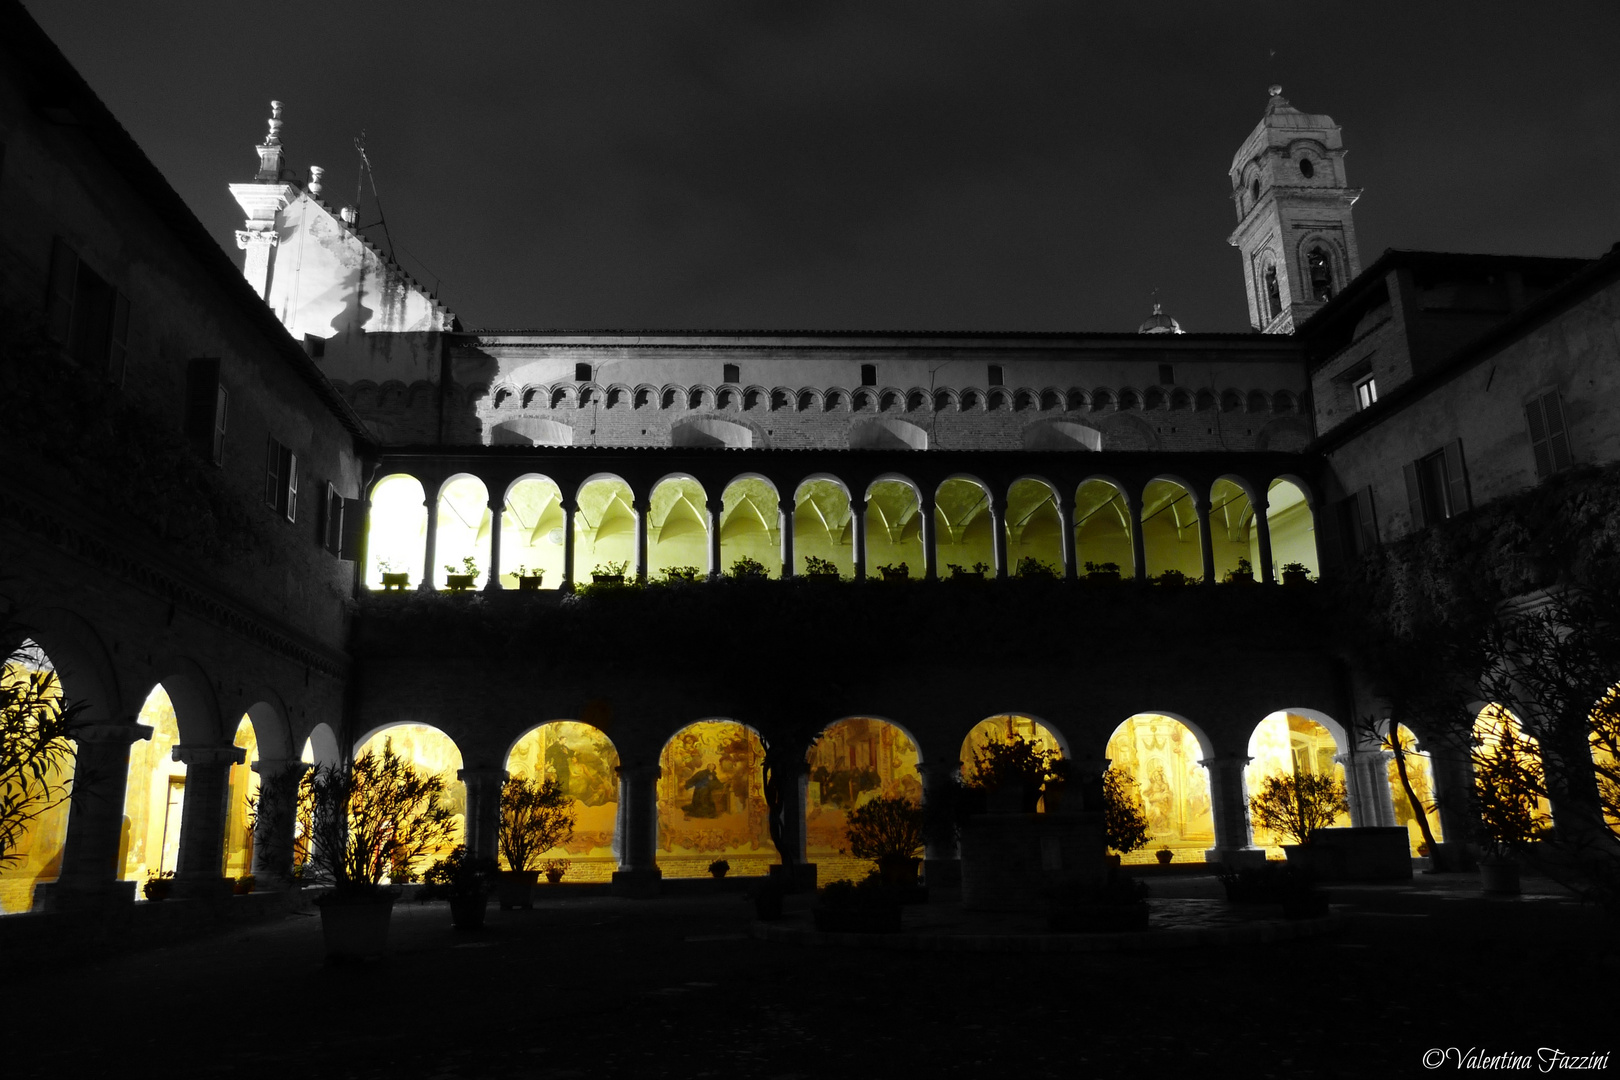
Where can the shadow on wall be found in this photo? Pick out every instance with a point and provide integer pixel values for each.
(470, 372)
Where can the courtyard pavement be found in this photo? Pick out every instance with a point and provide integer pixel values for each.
(588, 986)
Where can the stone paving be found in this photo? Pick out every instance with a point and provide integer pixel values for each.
(598, 986)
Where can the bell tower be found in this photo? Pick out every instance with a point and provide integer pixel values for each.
(1293, 208)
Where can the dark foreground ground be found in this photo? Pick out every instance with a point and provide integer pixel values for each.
(604, 987)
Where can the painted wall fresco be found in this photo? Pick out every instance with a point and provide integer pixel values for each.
(1000, 728)
(244, 785)
(1163, 755)
(1420, 771)
(154, 795)
(585, 764)
(1496, 723)
(432, 751)
(711, 801)
(1286, 744)
(854, 762)
(39, 849)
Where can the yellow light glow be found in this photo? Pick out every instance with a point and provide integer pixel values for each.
(1163, 756)
(1102, 527)
(854, 762)
(463, 530)
(396, 530)
(711, 801)
(1292, 527)
(432, 751)
(531, 532)
(1001, 728)
(154, 795)
(1170, 538)
(821, 526)
(1420, 772)
(39, 849)
(584, 762)
(605, 528)
(1496, 723)
(244, 786)
(1286, 744)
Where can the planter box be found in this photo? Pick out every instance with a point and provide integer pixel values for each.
(516, 888)
(530, 582)
(395, 581)
(459, 582)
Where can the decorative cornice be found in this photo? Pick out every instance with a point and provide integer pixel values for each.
(259, 237)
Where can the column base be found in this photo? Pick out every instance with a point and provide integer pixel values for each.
(795, 878)
(942, 873)
(102, 897)
(1236, 858)
(638, 884)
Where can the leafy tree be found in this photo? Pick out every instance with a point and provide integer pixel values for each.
(36, 747)
(374, 816)
(536, 816)
(889, 827)
(1297, 806)
(1125, 822)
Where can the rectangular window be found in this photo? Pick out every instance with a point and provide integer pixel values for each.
(995, 377)
(1366, 392)
(207, 408)
(86, 314)
(731, 373)
(332, 522)
(281, 480)
(582, 373)
(868, 374)
(1167, 375)
(1358, 529)
(1549, 435)
(1437, 486)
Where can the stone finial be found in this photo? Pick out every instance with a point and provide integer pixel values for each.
(275, 124)
(315, 174)
(1276, 90)
(347, 214)
(270, 152)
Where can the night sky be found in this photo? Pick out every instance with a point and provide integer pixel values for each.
(865, 165)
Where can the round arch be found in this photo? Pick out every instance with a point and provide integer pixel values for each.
(963, 532)
(711, 800)
(396, 528)
(1003, 726)
(321, 747)
(36, 853)
(1420, 775)
(1292, 524)
(462, 538)
(855, 760)
(1034, 525)
(584, 763)
(242, 787)
(749, 524)
(1164, 754)
(433, 752)
(822, 528)
(677, 526)
(1169, 519)
(154, 793)
(893, 529)
(1290, 742)
(1103, 526)
(1234, 541)
(532, 536)
(604, 525)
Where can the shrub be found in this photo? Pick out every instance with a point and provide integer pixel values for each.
(821, 568)
(1297, 806)
(459, 873)
(886, 828)
(536, 816)
(378, 815)
(36, 729)
(680, 573)
(746, 567)
(1125, 822)
(1031, 567)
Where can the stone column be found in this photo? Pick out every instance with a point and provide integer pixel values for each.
(567, 582)
(1263, 529)
(200, 865)
(1229, 806)
(998, 535)
(1085, 785)
(88, 878)
(1366, 775)
(1071, 565)
(714, 507)
(796, 870)
(483, 809)
(1133, 504)
(942, 862)
(642, 507)
(497, 509)
(857, 518)
(1453, 786)
(637, 831)
(926, 530)
(1205, 541)
(784, 524)
(430, 550)
(276, 824)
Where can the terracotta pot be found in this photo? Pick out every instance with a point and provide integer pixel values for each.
(395, 581)
(1164, 857)
(898, 871)
(355, 926)
(1499, 877)
(530, 582)
(515, 888)
(459, 582)
(554, 876)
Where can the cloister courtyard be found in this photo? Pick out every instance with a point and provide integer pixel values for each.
(590, 985)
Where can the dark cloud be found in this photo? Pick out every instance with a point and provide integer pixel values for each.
(866, 165)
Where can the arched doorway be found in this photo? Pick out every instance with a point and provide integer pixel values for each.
(855, 761)
(435, 753)
(1503, 747)
(154, 794)
(585, 765)
(1164, 757)
(1289, 744)
(396, 530)
(711, 801)
(532, 532)
(1004, 728)
(241, 791)
(35, 856)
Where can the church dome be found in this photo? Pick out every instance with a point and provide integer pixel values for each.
(1159, 323)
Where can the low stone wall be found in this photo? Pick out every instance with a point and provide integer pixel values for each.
(1010, 860)
(1371, 853)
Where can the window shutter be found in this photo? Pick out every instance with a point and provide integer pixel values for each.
(332, 520)
(118, 340)
(222, 401)
(59, 293)
(1535, 420)
(1365, 518)
(292, 485)
(1414, 494)
(1456, 479)
(1552, 408)
(272, 475)
(354, 529)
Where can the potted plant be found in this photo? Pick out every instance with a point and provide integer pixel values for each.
(529, 580)
(959, 573)
(1172, 578)
(37, 748)
(1242, 575)
(719, 868)
(536, 816)
(158, 886)
(895, 572)
(1102, 573)
(1297, 806)
(889, 831)
(1164, 855)
(465, 880)
(609, 573)
(555, 869)
(822, 569)
(1030, 567)
(680, 573)
(870, 907)
(391, 578)
(1296, 573)
(372, 815)
(1508, 777)
(1125, 823)
(1118, 905)
(461, 582)
(751, 569)
(1011, 774)
(242, 885)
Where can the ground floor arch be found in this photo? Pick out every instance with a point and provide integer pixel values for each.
(1502, 744)
(1420, 774)
(435, 753)
(241, 794)
(1289, 743)
(855, 760)
(585, 764)
(37, 851)
(711, 801)
(154, 795)
(1165, 758)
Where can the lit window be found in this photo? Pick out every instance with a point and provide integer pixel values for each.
(281, 480)
(1366, 392)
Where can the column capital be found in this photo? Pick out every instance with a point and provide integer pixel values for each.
(568, 505)
(631, 773)
(1225, 762)
(209, 755)
(267, 767)
(482, 775)
(113, 732)
(497, 506)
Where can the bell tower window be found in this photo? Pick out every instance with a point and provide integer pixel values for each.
(1273, 293)
(1320, 271)
(1306, 169)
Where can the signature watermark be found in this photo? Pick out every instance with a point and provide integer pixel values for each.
(1543, 1059)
